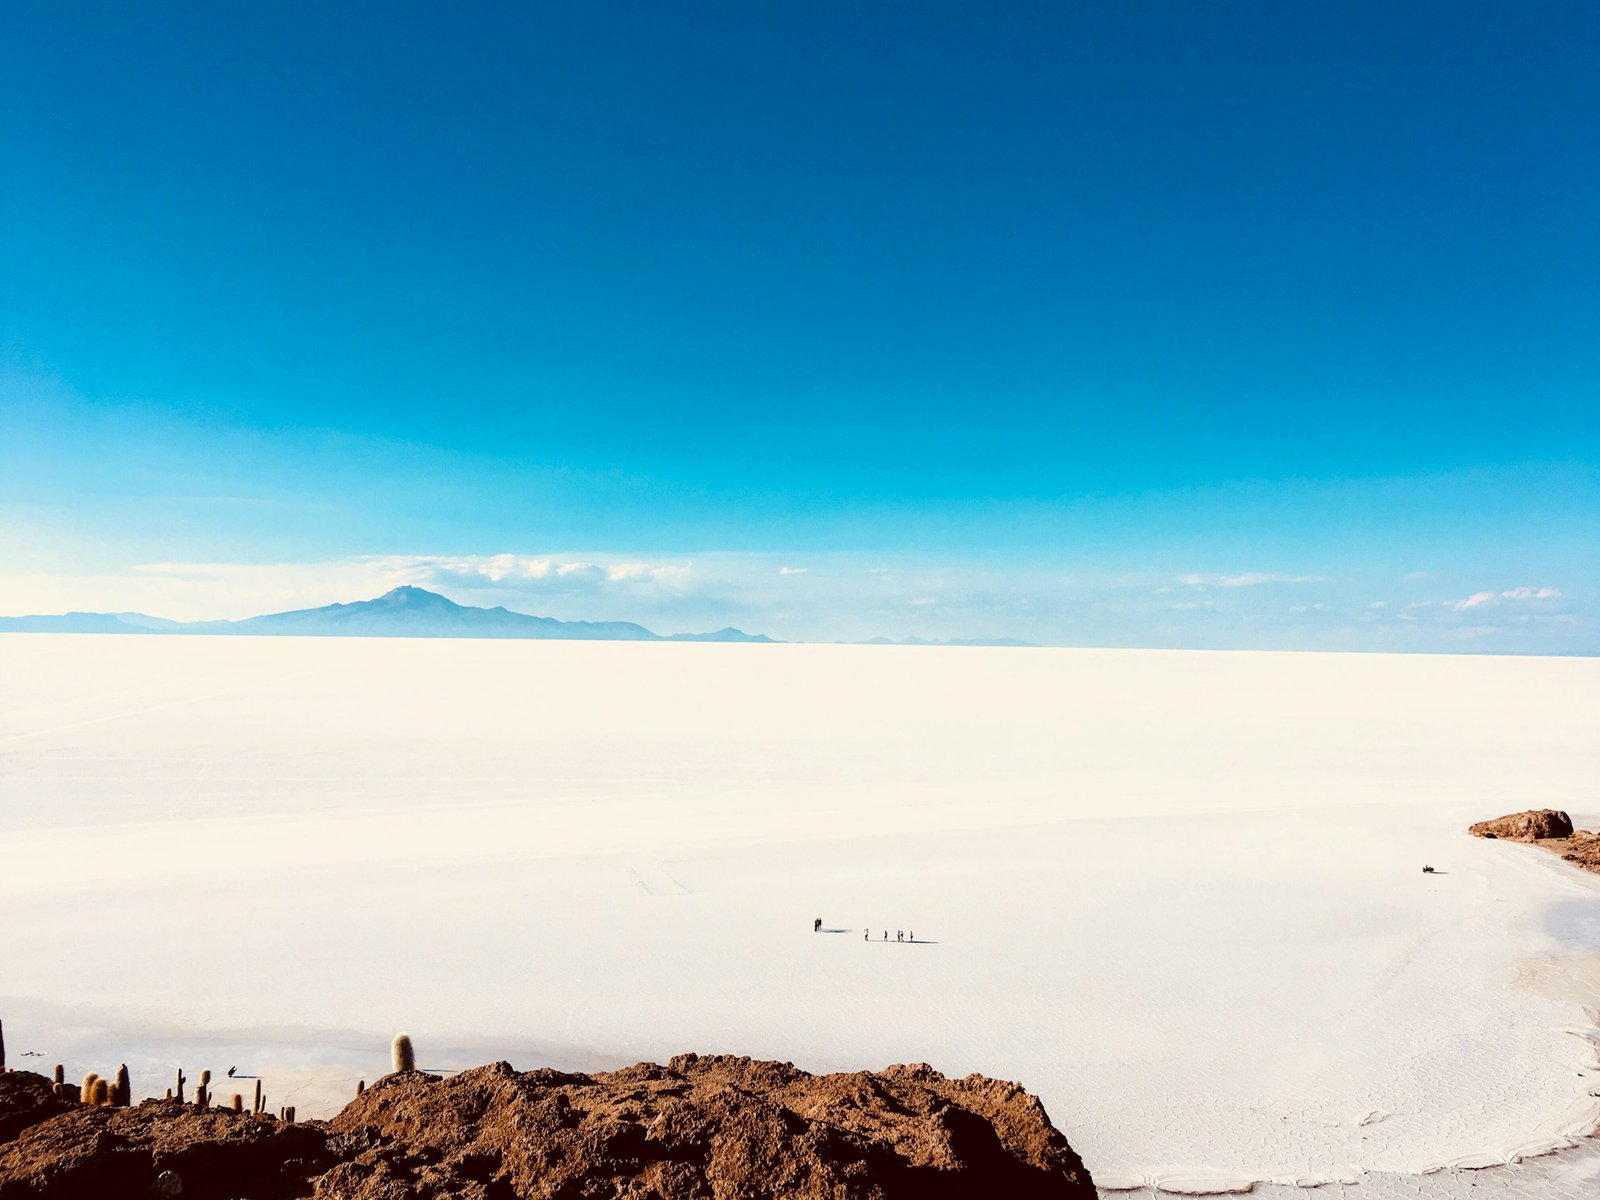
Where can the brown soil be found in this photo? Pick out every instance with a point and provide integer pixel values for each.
(696, 1129)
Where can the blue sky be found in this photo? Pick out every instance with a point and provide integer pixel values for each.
(1259, 325)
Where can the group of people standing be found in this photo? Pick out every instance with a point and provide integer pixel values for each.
(900, 935)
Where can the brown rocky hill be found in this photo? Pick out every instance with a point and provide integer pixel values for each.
(1549, 829)
(716, 1128)
(1532, 826)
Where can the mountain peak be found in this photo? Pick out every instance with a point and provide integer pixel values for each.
(415, 597)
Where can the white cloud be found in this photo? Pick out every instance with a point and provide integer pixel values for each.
(538, 574)
(923, 601)
(792, 570)
(670, 574)
(1483, 599)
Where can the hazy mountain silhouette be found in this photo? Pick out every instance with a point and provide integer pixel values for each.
(402, 612)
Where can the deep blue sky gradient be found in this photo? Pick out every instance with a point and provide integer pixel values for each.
(735, 276)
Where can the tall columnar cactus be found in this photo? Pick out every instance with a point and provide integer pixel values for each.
(260, 1104)
(2, 1047)
(178, 1091)
(60, 1074)
(204, 1089)
(405, 1059)
(86, 1088)
(102, 1092)
(124, 1088)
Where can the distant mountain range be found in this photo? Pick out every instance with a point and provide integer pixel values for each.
(402, 612)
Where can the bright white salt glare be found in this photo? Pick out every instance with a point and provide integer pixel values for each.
(1178, 895)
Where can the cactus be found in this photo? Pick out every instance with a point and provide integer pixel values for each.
(405, 1059)
(260, 1105)
(361, 1086)
(202, 1098)
(178, 1091)
(60, 1075)
(102, 1092)
(2, 1047)
(238, 1103)
(122, 1096)
(86, 1088)
(168, 1096)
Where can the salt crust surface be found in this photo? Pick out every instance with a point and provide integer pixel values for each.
(1178, 895)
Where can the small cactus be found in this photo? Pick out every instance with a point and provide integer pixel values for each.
(86, 1088)
(405, 1059)
(178, 1091)
(361, 1086)
(238, 1103)
(123, 1093)
(102, 1091)
(60, 1074)
(202, 1099)
(168, 1096)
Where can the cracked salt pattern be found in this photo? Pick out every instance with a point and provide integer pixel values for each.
(1571, 1174)
(1178, 896)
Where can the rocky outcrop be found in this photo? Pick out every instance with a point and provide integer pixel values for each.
(27, 1099)
(702, 1128)
(99, 1151)
(1532, 826)
(1549, 829)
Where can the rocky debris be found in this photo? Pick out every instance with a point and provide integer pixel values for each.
(1583, 848)
(715, 1128)
(1532, 826)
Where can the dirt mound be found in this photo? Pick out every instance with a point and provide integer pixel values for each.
(700, 1128)
(1532, 826)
